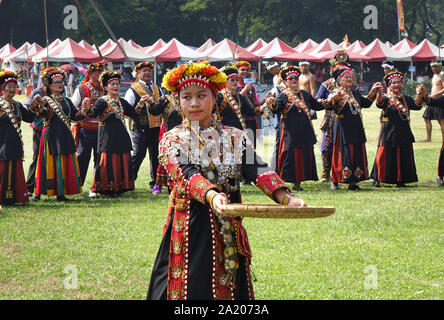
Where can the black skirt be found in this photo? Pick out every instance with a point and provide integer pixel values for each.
(433, 113)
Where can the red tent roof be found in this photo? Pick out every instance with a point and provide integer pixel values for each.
(6, 51)
(156, 46)
(17, 52)
(404, 46)
(87, 46)
(296, 56)
(207, 45)
(379, 51)
(325, 50)
(42, 53)
(255, 46)
(306, 46)
(355, 47)
(68, 51)
(274, 48)
(106, 45)
(227, 50)
(176, 51)
(426, 51)
(114, 54)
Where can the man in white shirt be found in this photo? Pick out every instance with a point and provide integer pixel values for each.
(145, 130)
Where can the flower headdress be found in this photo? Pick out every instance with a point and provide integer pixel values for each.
(240, 64)
(143, 65)
(52, 73)
(201, 73)
(6, 77)
(108, 76)
(285, 72)
(392, 75)
(98, 66)
(231, 72)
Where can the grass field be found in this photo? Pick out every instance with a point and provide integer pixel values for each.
(382, 243)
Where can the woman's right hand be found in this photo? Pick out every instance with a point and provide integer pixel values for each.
(218, 201)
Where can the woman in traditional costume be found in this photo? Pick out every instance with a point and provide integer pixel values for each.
(12, 113)
(232, 107)
(168, 107)
(113, 174)
(349, 160)
(395, 160)
(205, 254)
(295, 137)
(57, 167)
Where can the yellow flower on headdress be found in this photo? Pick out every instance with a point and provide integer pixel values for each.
(203, 69)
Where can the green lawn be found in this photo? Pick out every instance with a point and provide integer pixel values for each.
(382, 243)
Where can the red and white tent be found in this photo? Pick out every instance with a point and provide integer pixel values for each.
(344, 45)
(67, 51)
(176, 51)
(87, 46)
(426, 51)
(18, 51)
(306, 46)
(135, 45)
(207, 45)
(296, 56)
(22, 54)
(156, 46)
(42, 53)
(6, 50)
(379, 51)
(106, 45)
(114, 54)
(404, 46)
(355, 47)
(255, 46)
(273, 49)
(227, 50)
(389, 44)
(325, 50)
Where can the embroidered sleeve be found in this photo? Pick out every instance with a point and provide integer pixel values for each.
(198, 187)
(268, 182)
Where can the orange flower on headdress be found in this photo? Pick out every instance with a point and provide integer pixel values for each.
(202, 73)
(239, 64)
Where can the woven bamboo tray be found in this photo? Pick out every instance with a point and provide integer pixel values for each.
(276, 211)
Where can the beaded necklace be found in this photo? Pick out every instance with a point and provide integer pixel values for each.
(54, 103)
(116, 106)
(229, 96)
(294, 99)
(8, 107)
(402, 108)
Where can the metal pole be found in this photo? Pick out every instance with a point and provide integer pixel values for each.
(47, 39)
(155, 72)
(399, 29)
(85, 21)
(110, 32)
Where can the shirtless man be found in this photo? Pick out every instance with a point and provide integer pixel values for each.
(307, 79)
(435, 113)
(307, 82)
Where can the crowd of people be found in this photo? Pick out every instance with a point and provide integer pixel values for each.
(199, 130)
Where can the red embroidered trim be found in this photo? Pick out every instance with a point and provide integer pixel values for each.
(268, 182)
(198, 187)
